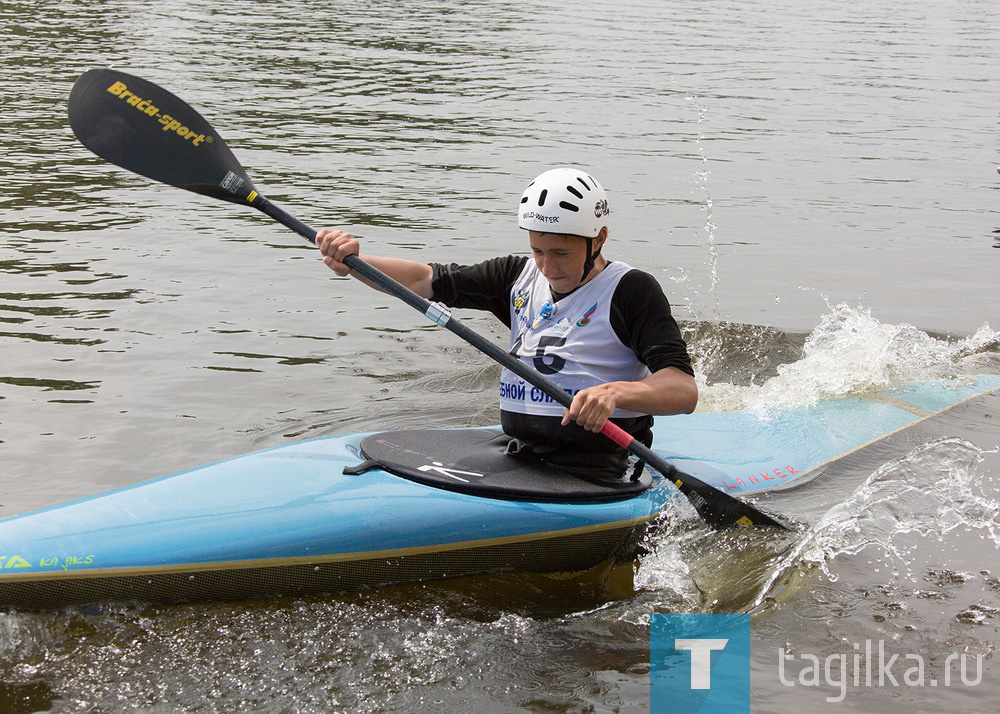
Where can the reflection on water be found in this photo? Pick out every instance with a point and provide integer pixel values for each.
(146, 330)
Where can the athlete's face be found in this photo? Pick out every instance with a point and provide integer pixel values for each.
(559, 258)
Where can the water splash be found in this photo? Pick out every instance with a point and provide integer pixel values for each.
(935, 489)
(849, 352)
(702, 183)
(665, 571)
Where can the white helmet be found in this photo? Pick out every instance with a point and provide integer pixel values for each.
(566, 201)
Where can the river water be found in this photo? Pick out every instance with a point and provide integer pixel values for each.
(815, 186)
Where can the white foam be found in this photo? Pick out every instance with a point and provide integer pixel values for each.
(848, 352)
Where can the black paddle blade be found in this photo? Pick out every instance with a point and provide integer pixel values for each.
(721, 510)
(718, 509)
(147, 130)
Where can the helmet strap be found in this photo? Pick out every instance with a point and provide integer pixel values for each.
(591, 257)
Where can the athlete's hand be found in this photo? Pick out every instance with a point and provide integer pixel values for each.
(592, 407)
(335, 247)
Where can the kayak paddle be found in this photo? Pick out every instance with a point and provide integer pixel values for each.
(144, 128)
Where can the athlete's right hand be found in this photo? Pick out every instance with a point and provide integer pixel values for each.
(336, 246)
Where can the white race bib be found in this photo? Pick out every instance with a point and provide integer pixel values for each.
(570, 341)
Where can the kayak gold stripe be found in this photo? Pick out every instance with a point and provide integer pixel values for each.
(80, 573)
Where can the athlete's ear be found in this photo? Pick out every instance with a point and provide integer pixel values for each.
(600, 240)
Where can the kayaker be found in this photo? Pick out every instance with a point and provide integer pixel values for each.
(600, 329)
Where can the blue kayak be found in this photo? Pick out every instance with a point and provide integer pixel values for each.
(289, 520)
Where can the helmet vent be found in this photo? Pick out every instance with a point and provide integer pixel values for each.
(524, 200)
(573, 191)
(584, 182)
(541, 197)
(569, 206)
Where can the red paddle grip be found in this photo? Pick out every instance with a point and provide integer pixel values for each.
(617, 434)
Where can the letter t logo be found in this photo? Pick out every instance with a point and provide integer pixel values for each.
(701, 659)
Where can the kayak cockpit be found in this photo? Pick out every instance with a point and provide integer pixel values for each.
(476, 462)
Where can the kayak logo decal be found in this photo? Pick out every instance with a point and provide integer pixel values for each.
(439, 468)
(65, 563)
(585, 320)
(13, 561)
(121, 90)
(749, 481)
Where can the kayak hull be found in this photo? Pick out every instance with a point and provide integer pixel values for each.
(288, 520)
(240, 580)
